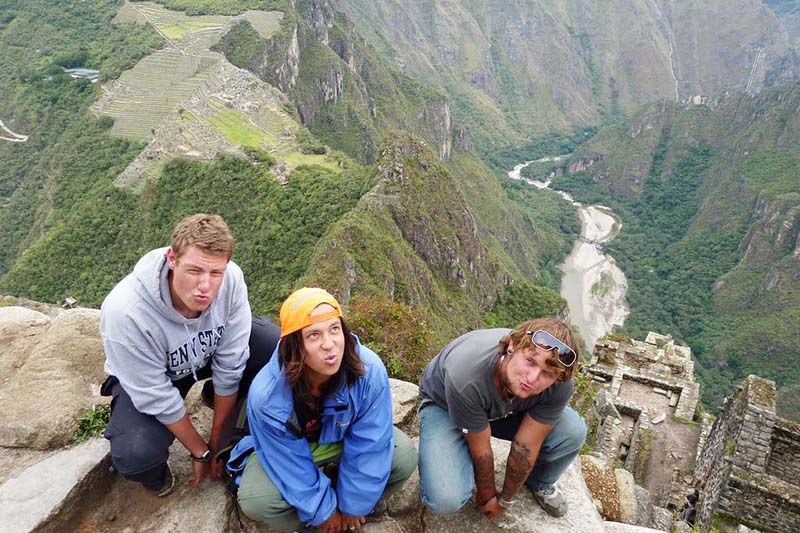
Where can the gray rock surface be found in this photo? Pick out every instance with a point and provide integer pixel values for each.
(627, 498)
(50, 490)
(526, 515)
(46, 359)
(618, 527)
(404, 406)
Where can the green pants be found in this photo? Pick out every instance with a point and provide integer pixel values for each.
(260, 499)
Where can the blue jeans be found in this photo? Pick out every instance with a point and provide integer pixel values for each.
(445, 466)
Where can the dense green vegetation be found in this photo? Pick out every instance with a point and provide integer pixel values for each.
(397, 332)
(277, 228)
(708, 235)
(523, 301)
(501, 161)
(555, 224)
(68, 152)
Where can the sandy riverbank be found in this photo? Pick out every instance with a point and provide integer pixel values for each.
(593, 285)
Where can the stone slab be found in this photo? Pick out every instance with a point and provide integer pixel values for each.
(41, 492)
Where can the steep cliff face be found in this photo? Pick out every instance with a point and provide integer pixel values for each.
(343, 89)
(418, 237)
(524, 68)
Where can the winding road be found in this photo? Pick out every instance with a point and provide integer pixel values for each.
(12, 137)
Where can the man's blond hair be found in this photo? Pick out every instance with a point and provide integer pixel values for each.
(555, 327)
(209, 233)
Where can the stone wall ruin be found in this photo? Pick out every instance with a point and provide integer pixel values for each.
(748, 468)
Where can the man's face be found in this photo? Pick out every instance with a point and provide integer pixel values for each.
(527, 374)
(195, 280)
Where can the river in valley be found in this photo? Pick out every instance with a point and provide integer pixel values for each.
(592, 284)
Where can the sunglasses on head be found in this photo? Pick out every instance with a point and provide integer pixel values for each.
(549, 342)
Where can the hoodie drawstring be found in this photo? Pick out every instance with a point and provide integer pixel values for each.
(193, 354)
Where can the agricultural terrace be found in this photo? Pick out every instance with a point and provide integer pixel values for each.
(143, 95)
(188, 101)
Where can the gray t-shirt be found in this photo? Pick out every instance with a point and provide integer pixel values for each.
(460, 380)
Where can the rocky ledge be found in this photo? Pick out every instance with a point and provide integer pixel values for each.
(52, 365)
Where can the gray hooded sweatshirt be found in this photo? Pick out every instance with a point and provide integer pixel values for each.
(149, 344)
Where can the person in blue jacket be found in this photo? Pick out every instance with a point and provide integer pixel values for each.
(325, 452)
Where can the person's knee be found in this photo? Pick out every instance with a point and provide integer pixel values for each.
(405, 458)
(575, 430)
(137, 450)
(444, 500)
(266, 508)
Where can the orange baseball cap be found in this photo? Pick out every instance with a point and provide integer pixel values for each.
(296, 310)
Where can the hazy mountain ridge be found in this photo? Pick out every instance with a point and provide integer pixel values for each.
(521, 69)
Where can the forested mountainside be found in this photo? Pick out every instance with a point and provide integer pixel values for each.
(709, 198)
(515, 70)
(347, 143)
(421, 234)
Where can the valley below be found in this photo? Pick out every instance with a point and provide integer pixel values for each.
(592, 284)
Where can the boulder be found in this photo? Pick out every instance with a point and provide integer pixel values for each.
(55, 383)
(405, 397)
(46, 496)
(19, 328)
(628, 512)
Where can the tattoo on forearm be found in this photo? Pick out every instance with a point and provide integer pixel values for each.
(518, 468)
(484, 475)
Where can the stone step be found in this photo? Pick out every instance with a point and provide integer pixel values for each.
(49, 494)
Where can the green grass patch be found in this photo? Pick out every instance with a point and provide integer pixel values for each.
(237, 128)
(93, 423)
(296, 159)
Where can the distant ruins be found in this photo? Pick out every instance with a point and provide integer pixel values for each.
(645, 404)
(746, 463)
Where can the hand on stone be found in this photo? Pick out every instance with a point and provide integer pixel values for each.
(200, 471)
(215, 469)
(492, 509)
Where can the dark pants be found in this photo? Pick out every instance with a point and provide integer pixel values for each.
(140, 443)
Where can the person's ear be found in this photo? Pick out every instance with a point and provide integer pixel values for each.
(171, 258)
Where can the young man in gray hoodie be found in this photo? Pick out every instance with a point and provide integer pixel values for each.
(182, 315)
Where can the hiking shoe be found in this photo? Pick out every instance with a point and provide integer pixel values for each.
(551, 500)
(207, 394)
(169, 484)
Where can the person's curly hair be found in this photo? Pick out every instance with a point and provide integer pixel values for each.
(555, 327)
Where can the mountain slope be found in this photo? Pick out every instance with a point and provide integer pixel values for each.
(514, 71)
(710, 203)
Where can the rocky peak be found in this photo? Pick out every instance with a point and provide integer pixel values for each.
(319, 14)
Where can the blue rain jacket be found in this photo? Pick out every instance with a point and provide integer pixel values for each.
(359, 415)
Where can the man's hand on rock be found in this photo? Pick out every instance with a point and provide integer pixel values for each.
(200, 471)
(215, 469)
(492, 509)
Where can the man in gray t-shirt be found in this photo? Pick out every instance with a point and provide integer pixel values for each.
(510, 384)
